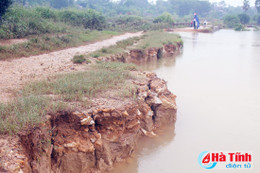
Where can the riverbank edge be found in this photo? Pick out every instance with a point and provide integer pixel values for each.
(154, 107)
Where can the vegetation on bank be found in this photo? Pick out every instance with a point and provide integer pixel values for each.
(51, 42)
(39, 98)
(238, 22)
(79, 59)
(19, 22)
(48, 30)
(158, 39)
(151, 39)
(132, 23)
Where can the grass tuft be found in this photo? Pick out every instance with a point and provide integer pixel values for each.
(78, 59)
(22, 112)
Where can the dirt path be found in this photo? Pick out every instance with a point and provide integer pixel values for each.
(15, 73)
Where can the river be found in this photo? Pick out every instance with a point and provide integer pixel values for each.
(217, 82)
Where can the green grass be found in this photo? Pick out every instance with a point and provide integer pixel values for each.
(156, 39)
(78, 86)
(19, 22)
(39, 98)
(120, 47)
(152, 39)
(78, 59)
(24, 111)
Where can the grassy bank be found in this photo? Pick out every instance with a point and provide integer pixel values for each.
(51, 42)
(151, 39)
(19, 22)
(48, 30)
(39, 98)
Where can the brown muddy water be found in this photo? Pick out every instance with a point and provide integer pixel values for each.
(217, 83)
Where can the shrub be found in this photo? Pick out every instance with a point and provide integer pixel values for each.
(46, 12)
(90, 19)
(164, 18)
(244, 18)
(231, 21)
(78, 59)
(240, 27)
(20, 22)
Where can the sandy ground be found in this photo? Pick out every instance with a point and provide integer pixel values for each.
(15, 73)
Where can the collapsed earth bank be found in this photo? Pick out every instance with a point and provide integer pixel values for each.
(92, 140)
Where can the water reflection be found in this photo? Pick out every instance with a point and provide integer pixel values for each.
(165, 61)
(147, 146)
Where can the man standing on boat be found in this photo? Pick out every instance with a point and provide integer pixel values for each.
(196, 22)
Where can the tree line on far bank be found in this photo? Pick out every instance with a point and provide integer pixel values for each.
(31, 17)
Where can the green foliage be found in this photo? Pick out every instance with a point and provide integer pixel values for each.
(240, 27)
(164, 18)
(144, 8)
(244, 18)
(246, 5)
(47, 13)
(88, 18)
(134, 23)
(257, 5)
(78, 59)
(231, 21)
(19, 22)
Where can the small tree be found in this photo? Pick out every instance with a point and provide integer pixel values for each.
(4, 4)
(164, 18)
(246, 5)
(257, 5)
(244, 18)
(231, 21)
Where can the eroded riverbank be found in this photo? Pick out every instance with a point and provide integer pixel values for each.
(217, 81)
(100, 125)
